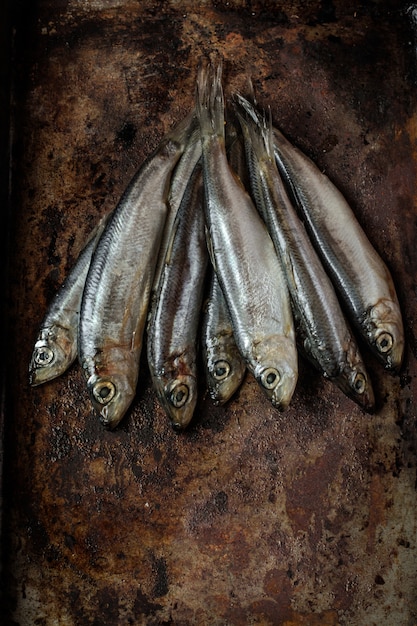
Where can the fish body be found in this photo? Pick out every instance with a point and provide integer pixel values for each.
(175, 315)
(326, 336)
(360, 276)
(119, 281)
(244, 257)
(179, 181)
(223, 364)
(56, 344)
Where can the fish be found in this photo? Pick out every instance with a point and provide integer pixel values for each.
(223, 364)
(243, 255)
(179, 181)
(55, 348)
(118, 285)
(172, 334)
(327, 338)
(360, 276)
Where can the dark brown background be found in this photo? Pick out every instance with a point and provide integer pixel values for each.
(251, 516)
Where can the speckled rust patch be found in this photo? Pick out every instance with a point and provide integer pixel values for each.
(251, 516)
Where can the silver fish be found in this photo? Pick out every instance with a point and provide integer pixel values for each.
(357, 271)
(244, 257)
(327, 339)
(119, 282)
(175, 314)
(56, 344)
(179, 181)
(223, 363)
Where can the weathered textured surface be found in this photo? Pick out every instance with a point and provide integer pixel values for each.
(251, 516)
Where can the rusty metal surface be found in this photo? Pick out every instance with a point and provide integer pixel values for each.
(251, 516)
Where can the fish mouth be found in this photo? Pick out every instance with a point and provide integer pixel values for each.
(38, 374)
(110, 398)
(48, 361)
(394, 359)
(279, 405)
(282, 394)
(177, 427)
(109, 419)
(111, 415)
(364, 397)
(224, 375)
(178, 398)
(221, 392)
(282, 400)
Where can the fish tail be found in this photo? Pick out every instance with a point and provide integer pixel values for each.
(246, 106)
(182, 131)
(250, 91)
(202, 96)
(217, 100)
(250, 136)
(260, 127)
(258, 140)
(209, 98)
(256, 128)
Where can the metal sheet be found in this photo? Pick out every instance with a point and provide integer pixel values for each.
(251, 516)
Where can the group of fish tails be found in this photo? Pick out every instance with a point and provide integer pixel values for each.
(233, 223)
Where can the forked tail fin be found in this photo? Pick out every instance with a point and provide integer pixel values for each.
(256, 128)
(209, 98)
(182, 132)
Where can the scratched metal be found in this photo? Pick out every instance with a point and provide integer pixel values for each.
(251, 516)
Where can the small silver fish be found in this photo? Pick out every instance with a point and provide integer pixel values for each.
(179, 181)
(223, 364)
(360, 276)
(117, 289)
(244, 257)
(327, 338)
(56, 345)
(175, 314)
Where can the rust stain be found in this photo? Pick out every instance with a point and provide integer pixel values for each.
(235, 39)
(328, 618)
(377, 509)
(306, 496)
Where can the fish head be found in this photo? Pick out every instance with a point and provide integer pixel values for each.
(111, 396)
(386, 333)
(178, 396)
(353, 378)
(277, 369)
(54, 351)
(225, 370)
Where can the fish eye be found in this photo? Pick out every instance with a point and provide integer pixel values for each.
(43, 356)
(384, 342)
(179, 395)
(221, 370)
(104, 391)
(270, 378)
(359, 383)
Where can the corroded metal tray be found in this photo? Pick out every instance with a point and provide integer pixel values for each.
(251, 516)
